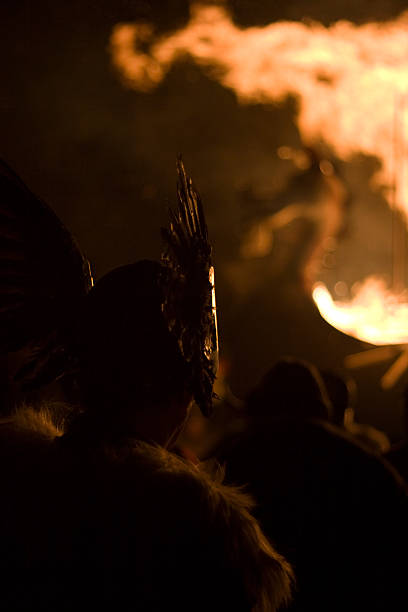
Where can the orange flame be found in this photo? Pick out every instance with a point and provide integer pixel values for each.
(349, 81)
(348, 78)
(374, 315)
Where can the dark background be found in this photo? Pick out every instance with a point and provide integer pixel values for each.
(104, 158)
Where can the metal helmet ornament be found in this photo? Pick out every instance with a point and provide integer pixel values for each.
(189, 305)
(46, 290)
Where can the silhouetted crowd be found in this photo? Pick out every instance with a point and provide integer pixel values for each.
(281, 502)
(115, 496)
(330, 494)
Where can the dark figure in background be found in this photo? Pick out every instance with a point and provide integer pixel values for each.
(336, 511)
(398, 453)
(297, 391)
(342, 392)
(96, 514)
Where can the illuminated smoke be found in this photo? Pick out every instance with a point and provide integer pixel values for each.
(351, 81)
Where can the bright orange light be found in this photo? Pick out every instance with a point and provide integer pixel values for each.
(374, 315)
(348, 78)
(349, 81)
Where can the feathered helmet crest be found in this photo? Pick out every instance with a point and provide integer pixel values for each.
(189, 305)
(45, 280)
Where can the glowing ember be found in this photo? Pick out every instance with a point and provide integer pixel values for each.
(374, 315)
(348, 78)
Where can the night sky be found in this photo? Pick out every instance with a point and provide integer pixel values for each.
(103, 157)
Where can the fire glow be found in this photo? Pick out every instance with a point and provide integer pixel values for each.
(374, 315)
(349, 81)
(347, 78)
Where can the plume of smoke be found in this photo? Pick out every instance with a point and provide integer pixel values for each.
(351, 81)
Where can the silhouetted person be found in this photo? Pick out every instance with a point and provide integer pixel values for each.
(335, 510)
(96, 513)
(398, 454)
(342, 392)
(297, 391)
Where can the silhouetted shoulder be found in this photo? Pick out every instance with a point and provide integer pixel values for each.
(161, 532)
(208, 527)
(335, 510)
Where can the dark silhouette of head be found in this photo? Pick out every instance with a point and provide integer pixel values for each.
(290, 389)
(130, 364)
(341, 391)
